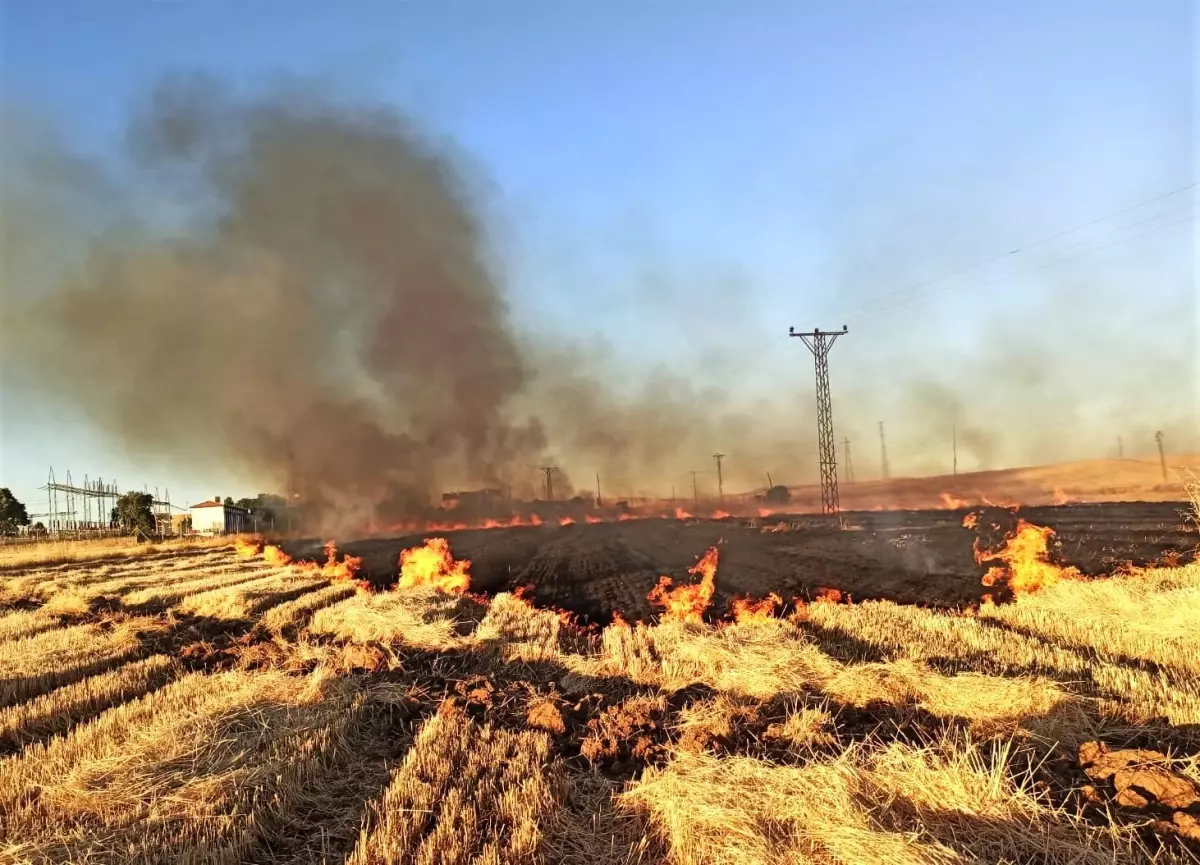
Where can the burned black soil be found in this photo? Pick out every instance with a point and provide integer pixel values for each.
(911, 557)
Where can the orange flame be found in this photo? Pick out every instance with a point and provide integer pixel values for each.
(799, 610)
(566, 521)
(681, 514)
(970, 521)
(570, 620)
(828, 595)
(745, 609)
(275, 556)
(593, 520)
(432, 565)
(953, 503)
(346, 569)
(687, 603)
(618, 621)
(721, 515)
(248, 548)
(1025, 565)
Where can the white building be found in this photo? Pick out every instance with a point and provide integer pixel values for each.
(217, 518)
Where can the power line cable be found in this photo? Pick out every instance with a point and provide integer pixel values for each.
(1004, 277)
(1159, 215)
(1022, 248)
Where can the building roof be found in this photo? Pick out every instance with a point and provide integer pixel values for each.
(212, 503)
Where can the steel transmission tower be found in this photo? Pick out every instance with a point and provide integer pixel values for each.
(819, 342)
(883, 460)
(720, 479)
(549, 471)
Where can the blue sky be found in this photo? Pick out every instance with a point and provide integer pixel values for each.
(645, 157)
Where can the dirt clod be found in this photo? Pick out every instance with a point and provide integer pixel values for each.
(1187, 825)
(478, 692)
(1142, 781)
(631, 732)
(544, 715)
(1140, 777)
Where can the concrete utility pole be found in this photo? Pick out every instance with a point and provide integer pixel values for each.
(695, 491)
(883, 463)
(1162, 458)
(549, 471)
(819, 342)
(954, 445)
(599, 500)
(849, 462)
(720, 480)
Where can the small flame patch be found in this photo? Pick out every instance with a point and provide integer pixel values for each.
(687, 603)
(1024, 561)
(747, 609)
(432, 565)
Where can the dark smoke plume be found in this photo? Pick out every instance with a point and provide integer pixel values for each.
(328, 321)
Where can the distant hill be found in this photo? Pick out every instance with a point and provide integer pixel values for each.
(1087, 481)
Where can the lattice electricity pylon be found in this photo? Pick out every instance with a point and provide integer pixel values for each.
(819, 342)
(549, 471)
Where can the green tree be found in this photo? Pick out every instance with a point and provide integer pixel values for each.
(133, 512)
(12, 513)
(264, 506)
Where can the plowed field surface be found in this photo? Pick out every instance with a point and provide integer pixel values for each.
(911, 557)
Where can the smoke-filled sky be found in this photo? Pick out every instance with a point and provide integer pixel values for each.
(413, 247)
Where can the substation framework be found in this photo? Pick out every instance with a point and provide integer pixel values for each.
(85, 509)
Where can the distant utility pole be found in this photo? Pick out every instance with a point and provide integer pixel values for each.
(954, 445)
(599, 500)
(849, 462)
(819, 342)
(1120, 449)
(695, 491)
(883, 463)
(720, 481)
(1162, 458)
(549, 471)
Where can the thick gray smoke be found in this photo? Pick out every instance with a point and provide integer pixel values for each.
(325, 320)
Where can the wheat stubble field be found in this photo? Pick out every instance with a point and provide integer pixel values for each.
(224, 705)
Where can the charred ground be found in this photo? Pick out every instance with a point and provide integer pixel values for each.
(909, 557)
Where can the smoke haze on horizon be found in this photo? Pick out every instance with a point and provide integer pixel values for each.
(314, 295)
